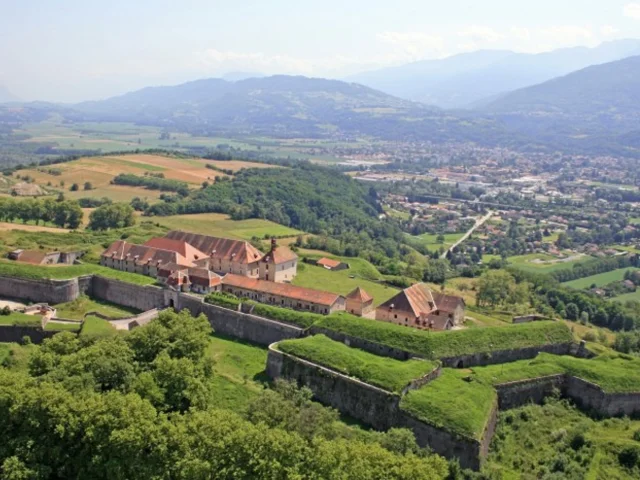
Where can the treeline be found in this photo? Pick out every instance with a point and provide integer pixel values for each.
(64, 213)
(594, 267)
(226, 171)
(152, 182)
(143, 406)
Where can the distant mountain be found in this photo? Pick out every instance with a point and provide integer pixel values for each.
(236, 76)
(279, 106)
(469, 79)
(6, 96)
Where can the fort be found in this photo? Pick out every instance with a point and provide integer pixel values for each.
(373, 405)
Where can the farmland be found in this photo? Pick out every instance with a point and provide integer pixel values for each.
(598, 280)
(544, 263)
(430, 240)
(218, 224)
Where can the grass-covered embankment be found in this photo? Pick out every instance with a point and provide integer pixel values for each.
(21, 319)
(613, 373)
(387, 373)
(454, 403)
(451, 343)
(66, 272)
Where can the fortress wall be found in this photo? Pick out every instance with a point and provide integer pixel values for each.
(15, 333)
(590, 396)
(516, 394)
(41, 291)
(252, 328)
(140, 297)
(355, 342)
(504, 356)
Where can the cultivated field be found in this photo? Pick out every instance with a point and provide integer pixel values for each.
(220, 225)
(599, 280)
(544, 263)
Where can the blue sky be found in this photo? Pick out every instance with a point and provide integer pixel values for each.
(71, 50)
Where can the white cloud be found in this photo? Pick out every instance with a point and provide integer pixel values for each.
(609, 30)
(521, 33)
(481, 34)
(414, 45)
(632, 10)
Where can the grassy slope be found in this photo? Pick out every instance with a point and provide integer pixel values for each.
(523, 262)
(451, 343)
(217, 224)
(635, 296)
(15, 356)
(339, 282)
(17, 318)
(430, 241)
(452, 403)
(97, 327)
(614, 373)
(600, 279)
(76, 309)
(64, 272)
(387, 373)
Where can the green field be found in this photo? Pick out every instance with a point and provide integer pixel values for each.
(77, 309)
(219, 225)
(628, 297)
(437, 345)
(599, 280)
(97, 327)
(15, 356)
(430, 240)
(453, 403)
(635, 221)
(340, 282)
(547, 265)
(387, 373)
(62, 327)
(38, 272)
(17, 318)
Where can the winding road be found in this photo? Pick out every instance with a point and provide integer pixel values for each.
(478, 223)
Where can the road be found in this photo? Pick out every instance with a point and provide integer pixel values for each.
(478, 223)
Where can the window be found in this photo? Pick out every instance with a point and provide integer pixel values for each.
(395, 316)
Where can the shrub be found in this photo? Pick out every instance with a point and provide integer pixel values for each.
(225, 300)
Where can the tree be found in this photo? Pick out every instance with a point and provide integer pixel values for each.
(75, 187)
(116, 215)
(88, 186)
(495, 287)
(572, 311)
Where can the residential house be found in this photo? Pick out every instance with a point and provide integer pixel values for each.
(279, 265)
(282, 294)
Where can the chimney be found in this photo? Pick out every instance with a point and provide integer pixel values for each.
(274, 243)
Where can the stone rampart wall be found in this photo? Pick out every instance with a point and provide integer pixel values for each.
(15, 334)
(42, 291)
(504, 356)
(535, 390)
(140, 297)
(371, 347)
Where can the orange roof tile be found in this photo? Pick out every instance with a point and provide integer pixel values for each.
(360, 295)
(142, 254)
(328, 262)
(281, 289)
(279, 255)
(183, 248)
(223, 248)
(34, 257)
(416, 299)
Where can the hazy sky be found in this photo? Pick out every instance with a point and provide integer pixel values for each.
(71, 50)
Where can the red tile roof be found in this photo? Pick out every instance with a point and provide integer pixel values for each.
(183, 248)
(223, 248)
(416, 299)
(281, 289)
(196, 275)
(360, 295)
(328, 262)
(279, 255)
(447, 303)
(34, 257)
(143, 255)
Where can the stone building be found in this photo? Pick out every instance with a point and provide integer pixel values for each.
(189, 279)
(359, 303)
(279, 265)
(140, 259)
(410, 307)
(282, 294)
(38, 257)
(452, 306)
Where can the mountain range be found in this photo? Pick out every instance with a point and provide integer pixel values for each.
(472, 79)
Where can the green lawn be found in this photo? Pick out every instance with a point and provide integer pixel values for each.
(340, 282)
(238, 368)
(437, 345)
(453, 403)
(627, 297)
(77, 309)
(17, 318)
(62, 327)
(97, 327)
(635, 221)
(387, 373)
(219, 225)
(64, 272)
(526, 263)
(599, 280)
(430, 240)
(613, 373)
(16, 357)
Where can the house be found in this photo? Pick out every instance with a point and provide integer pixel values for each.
(419, 307)
(38, 257)
(359, 302)
(194, 279)
(188, 251)
(222, 255)
(279, 265)
(450, 305)
(411, 307)
(331, 264)
(141, 259)
(282, 294)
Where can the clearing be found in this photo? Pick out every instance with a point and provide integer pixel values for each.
(599, 280)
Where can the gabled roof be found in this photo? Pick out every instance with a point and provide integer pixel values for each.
(416, 299)
(279, 255)
(34, 257)
(359, 295)
(197, 275)
(328, 262)
(219, 248)
(447, 303)
(142, 255)
(281, 289)
(183, 248)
